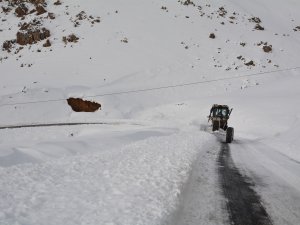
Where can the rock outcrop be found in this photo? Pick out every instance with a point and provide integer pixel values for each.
(32, 36)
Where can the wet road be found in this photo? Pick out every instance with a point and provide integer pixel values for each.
(243, 203)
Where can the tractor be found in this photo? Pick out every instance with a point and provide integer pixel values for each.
(219, 116)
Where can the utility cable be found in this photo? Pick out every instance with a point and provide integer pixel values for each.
(157, 88)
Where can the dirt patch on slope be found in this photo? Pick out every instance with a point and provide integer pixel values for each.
(80, 105)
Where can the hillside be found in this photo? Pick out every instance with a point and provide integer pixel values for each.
(156, 67)
(165, 47)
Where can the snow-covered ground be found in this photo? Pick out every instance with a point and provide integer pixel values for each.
(136, 184)
(150, 162)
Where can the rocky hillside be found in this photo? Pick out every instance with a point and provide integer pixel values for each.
(60, 49)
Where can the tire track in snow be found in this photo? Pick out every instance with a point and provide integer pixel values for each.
(243, 203)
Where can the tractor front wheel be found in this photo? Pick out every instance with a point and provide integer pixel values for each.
(229, 134)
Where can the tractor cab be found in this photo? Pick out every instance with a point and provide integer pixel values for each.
(220, 111)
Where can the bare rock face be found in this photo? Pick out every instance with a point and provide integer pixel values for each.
(32, 36)
(40, 10)
(32, 32)
(79, 105)
(21, 10)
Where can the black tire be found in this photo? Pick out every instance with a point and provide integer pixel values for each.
(216, 125)
(229, 134)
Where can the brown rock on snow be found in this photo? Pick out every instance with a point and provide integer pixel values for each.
(19, 2)
(79, 105)
(222, 11)
(255, 20)
(36, 2)
(250, 63)
(258, 27)
(21, 10)
(212, 36)
(297, 28)
(57, 2)
(30, 37)
(267, 48)
(51, 16)
(47, 44)
(7, 45)
(188, 2)
(40, 10)
(32, 11)
(6, 9)
(70, 38)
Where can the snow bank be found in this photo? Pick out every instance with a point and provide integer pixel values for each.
(138, 184)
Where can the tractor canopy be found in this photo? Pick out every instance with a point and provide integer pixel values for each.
(221, 111)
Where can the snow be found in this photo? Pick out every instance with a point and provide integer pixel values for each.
(149, 162)
(110, 187)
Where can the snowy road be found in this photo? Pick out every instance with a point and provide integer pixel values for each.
(259, 184)
(276, 178)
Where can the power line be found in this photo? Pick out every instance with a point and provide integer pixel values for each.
(53, 125)
(157, 88)
(189, 84)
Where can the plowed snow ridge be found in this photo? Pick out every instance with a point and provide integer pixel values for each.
(138, 184)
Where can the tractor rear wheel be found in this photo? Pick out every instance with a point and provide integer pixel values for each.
(229, 134)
